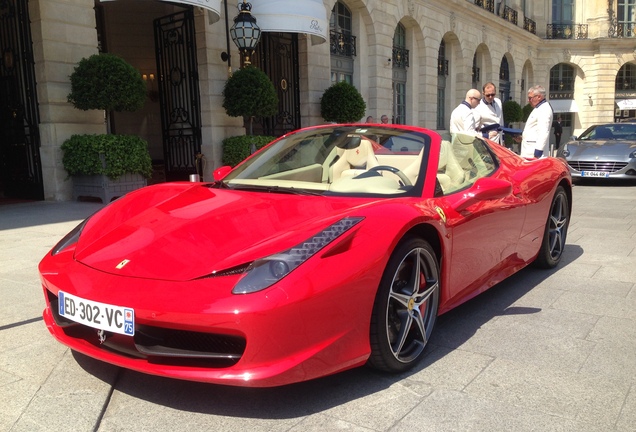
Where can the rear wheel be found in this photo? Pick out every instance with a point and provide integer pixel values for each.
(556, 230)
(405, 308)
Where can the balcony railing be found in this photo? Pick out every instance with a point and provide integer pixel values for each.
(400, 57)
(530, 25)
(626, 29)
(342, 44)
(509, 14)
(442, 67)
(489, 5)
(566, 31)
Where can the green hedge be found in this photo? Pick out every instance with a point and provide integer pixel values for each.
(237, 148)
(113, 155)
(342, 103)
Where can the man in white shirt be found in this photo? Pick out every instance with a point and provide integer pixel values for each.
(490, 113)
(535, 140)
(463, 118)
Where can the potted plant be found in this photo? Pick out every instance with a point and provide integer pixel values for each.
(342, 103)
(249, 93)
(106, 165)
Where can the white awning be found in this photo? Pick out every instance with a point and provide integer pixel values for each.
(626, 104)
(293, 16)
(563, 105)
(213, 7)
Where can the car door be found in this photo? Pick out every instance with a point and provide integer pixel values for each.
(485, 235)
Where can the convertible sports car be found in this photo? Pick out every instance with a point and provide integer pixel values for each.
(333, 247)
(604, 151)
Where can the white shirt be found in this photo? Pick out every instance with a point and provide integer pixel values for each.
(536, 133)
(489, 114)
(463, 119)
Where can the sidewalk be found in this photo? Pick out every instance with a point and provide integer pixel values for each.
(543, 351)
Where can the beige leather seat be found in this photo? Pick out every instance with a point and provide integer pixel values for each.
(448, 170)
(355, 160)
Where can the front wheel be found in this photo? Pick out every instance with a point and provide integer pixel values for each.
(556, 230)
(405, 308)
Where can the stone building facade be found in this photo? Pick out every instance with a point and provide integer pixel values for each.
(413, 60)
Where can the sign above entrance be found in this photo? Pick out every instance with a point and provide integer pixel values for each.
(293, 16)
(626, 104)
(213, 6)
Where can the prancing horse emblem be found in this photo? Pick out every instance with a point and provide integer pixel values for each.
(122, 264)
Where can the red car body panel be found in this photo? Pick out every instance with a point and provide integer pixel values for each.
(178, 238)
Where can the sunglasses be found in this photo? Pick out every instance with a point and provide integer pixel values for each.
(489, 95)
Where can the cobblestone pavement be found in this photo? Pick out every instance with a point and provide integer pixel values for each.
(543, 351)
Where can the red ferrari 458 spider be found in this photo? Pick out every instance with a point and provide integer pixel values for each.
(333, 247)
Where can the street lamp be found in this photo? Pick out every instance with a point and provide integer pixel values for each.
(245, 33)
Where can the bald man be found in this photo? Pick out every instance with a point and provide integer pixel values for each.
(463, 118)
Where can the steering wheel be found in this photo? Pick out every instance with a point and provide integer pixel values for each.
(397, 172)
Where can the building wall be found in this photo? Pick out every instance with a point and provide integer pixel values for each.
(64, 32)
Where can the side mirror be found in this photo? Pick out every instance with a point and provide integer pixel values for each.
(220, 173)
(484, 189)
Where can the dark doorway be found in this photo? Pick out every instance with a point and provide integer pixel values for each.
(277, 56)
(178, 78)
(20, 166)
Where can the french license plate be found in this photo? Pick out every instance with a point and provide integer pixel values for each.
(594, 174)
(98, 315)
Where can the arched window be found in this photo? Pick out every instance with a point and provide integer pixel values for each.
(442, 72)
(626, 78)
(342, 43)
(400, 61)
(475, 75)
(504, 79)
(561, 79)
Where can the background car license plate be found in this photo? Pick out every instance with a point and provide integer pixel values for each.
(594, 174)
(98, 315)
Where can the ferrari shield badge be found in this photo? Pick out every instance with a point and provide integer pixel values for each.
(441, 214)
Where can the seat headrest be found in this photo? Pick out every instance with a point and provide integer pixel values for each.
(352, 141)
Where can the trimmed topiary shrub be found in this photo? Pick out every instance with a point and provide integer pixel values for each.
(342, 103)
(112, 155)
(106, 82)
(237, 148)
(511, 111)
(250, 93)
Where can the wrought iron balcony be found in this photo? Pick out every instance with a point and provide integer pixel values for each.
(400, 57)
(442, 67)
(342, 44)
(627, 30)
(530, 25)
(489, 5)
(509, 14)
(566, 31)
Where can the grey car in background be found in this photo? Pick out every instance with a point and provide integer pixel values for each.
(602, 151)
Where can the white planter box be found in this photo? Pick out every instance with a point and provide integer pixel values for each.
(105, 188)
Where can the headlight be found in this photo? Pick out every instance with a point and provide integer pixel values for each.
(265, 272)
(69, 239)
(566, 152)
(633, 154)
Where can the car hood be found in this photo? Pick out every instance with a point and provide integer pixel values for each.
(181, 232)
(607, 149)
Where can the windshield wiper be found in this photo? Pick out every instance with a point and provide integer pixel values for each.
(275, 189)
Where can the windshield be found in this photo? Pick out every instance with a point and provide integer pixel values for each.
(338, 160)
(612, 131)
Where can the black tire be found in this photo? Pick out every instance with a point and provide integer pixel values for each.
(405, 308)
(556, 229)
